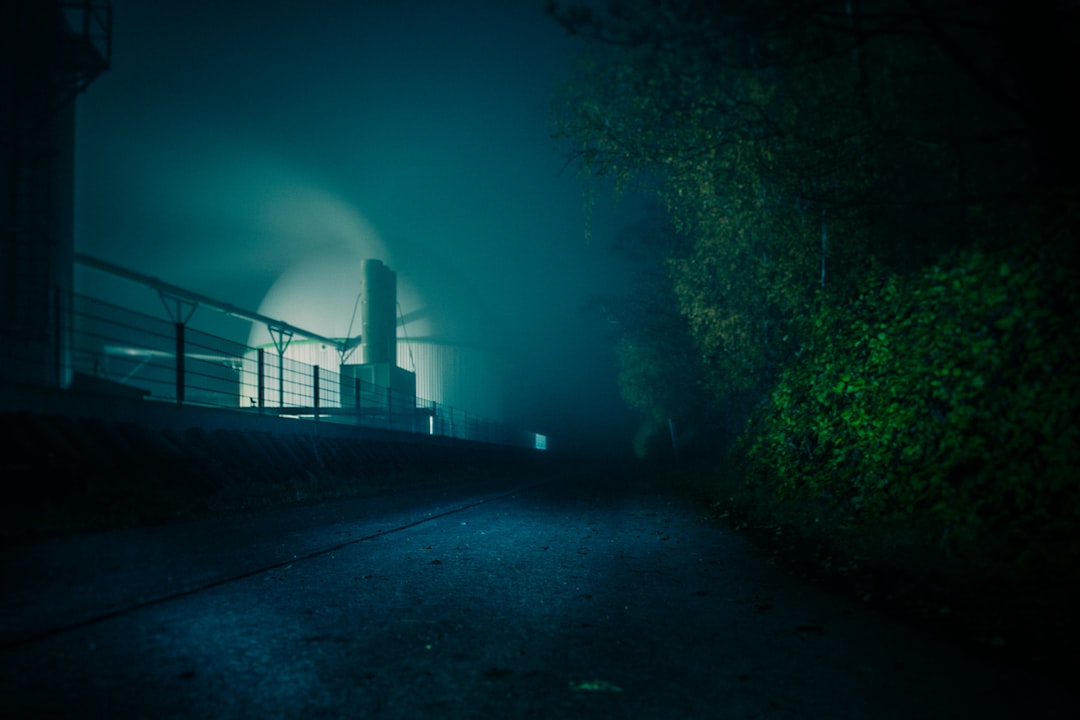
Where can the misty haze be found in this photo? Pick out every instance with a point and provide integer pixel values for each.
(539, 358)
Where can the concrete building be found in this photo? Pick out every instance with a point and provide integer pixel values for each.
(52, 51)
(401, 346)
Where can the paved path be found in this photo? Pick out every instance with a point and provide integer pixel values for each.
(571, 598)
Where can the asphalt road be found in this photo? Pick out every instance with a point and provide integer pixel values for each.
(577, 597)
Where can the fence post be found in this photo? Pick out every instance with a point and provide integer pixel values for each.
(281, 379)
(179, 363)
(262, 379)
(315, 388)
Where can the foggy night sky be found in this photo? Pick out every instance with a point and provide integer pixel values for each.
(231, 140)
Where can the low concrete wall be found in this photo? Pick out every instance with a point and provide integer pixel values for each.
(75, 461)
(152, 414)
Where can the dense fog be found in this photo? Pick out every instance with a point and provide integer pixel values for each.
(230, 143)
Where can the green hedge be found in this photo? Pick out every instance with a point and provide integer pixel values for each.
(945, 401)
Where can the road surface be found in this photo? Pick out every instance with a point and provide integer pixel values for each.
(589, 597)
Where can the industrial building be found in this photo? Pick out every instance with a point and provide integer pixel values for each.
(52, 52)
(342, 297)
(348, 338)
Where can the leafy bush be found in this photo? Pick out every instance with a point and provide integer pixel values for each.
(945, 402)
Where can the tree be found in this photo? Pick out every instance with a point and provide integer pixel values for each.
(795, 142)
(656, 109)
(879, 204)
(658, 372)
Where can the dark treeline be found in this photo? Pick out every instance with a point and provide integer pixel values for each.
(857, 313)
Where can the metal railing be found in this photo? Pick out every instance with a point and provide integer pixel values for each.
(112, 349)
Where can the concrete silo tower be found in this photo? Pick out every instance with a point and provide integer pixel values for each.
(53, 49)
(378, 314)
(378, 338)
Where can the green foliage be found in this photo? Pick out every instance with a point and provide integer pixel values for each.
(831, 168)
(643, 379)
(785, 152)
(658, 369)
(755, 250)
(948, 399)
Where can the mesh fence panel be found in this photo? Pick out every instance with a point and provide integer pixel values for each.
(136, 354)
